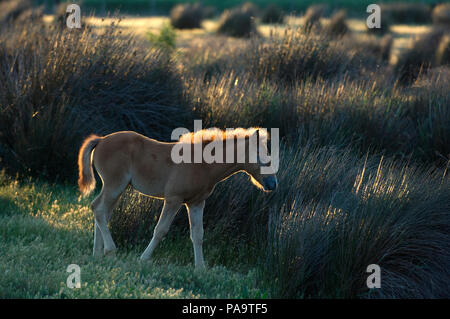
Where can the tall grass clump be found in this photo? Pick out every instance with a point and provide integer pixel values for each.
(298, 55)
(403, 12)
(186, 16)
(249, 7)
(441, 14)
(419, 57)
(272, 14)
(443, 51)
(15, 10)
(338, 214)
(337, 25)
(58, 86)
(312, 16)
(237, 22)
(368, 114)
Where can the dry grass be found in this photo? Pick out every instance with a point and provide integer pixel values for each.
(337, 25)
(81, 82)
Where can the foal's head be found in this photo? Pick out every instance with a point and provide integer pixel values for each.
(261, 172)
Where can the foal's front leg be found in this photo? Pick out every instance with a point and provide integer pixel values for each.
(168, 213)
(195, 212)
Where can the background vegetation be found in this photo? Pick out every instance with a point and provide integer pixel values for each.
(365, 149)
(164, 6)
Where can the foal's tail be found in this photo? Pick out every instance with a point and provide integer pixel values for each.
(86, 180)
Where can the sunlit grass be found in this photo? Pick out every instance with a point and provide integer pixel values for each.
(43, 229)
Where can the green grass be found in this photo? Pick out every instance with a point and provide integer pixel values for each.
(44, 228)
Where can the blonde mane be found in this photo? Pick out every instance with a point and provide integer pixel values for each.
(214, 134)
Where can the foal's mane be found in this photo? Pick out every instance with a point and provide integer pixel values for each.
(215, 134)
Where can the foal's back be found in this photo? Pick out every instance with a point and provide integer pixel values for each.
(128, 157)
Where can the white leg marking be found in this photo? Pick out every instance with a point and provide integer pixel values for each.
(196, 225)
(98, 241)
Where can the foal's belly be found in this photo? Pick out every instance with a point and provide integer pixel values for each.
(149, 184)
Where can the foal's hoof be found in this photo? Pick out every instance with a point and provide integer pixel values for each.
(200, 269)
(97, 254)
(144, 259)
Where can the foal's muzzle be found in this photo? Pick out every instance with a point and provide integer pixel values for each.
(270, 183)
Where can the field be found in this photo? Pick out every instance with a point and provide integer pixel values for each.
(364, 122)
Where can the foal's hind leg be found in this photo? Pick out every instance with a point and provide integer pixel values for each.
(98, 239)
(168, 213)
(102, 207)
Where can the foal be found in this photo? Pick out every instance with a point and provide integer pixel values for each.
(124, 158)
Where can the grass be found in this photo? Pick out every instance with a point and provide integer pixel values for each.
(333, 214)
(44, 228)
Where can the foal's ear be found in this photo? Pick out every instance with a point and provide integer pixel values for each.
(255, 133)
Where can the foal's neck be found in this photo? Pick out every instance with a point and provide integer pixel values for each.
(221, 171)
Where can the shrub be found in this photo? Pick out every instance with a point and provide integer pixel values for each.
(419, 57)
(272, 14)
(403, 12)
(441, 14)
(312, 16)
(81, 83)
(250, 8)
(368, 212)
(384, 49)
(337, 25)
(11, 10)
(166, 38)
(369, 49)
(443, 51)
(237, 22)
(186, 16)
(60, 15)
(297, 55)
